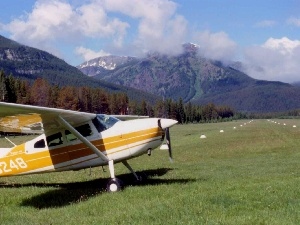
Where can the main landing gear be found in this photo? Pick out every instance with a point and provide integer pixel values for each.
(116, 184)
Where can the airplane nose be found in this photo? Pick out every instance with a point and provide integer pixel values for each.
(164, 123)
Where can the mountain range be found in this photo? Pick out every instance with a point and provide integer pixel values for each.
(31, 63)
(187, 76)
(195, 79)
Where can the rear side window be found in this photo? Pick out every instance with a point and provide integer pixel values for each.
(55, 139)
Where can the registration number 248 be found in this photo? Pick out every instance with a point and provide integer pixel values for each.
(16, 164)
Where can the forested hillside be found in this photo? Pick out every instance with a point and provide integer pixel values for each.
(261, 97)
(30, 64)
(97, 100)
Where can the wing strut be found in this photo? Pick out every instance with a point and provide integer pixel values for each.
(83, 139)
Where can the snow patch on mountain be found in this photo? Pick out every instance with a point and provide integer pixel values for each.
(106, 62)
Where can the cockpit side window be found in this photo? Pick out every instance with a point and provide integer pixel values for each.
(103, 122)
(40, 144)
(70, 136)
(54, 139)
(85, 130)
(99, 126)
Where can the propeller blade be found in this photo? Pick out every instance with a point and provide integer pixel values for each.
(169, 143)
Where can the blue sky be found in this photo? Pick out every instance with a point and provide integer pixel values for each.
(264, 35)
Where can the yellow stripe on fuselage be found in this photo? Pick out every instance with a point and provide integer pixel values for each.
(18, 161)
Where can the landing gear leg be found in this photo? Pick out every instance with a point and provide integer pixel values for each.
(138, 178)
(114, 184)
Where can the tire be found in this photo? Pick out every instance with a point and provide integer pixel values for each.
(114, 185)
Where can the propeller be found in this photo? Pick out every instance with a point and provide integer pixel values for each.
(168, 139)
(164, 124)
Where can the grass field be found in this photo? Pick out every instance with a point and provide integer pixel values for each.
(247, 175)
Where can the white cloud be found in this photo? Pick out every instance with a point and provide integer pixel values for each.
(276, 59)
(88, 54)
(93, 21)
(154, 10)
(294, 21)
(164, 38)
(283, 45)
(47, 21)
(265, 23)
(58, 18)
(216, 46)
(159, 27)
(54, 22)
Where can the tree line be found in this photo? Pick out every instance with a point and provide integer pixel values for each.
(97, 100)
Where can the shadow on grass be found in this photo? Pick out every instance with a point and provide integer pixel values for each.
(72, 193)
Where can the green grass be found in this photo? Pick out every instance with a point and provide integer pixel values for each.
(247, 175)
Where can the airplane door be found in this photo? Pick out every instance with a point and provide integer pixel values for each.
(48, 151)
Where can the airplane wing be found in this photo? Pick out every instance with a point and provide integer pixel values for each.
(36, 119)
(129, 117)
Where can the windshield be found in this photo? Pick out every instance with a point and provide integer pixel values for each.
(103, 122)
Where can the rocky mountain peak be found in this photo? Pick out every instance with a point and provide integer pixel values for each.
(109, 62)
(191, 47)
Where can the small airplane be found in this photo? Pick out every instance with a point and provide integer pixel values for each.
(72, 140)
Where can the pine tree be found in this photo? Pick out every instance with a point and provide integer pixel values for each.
(104, 104)
(85, 99)
(3, 91)
(40, 92)
(10, 89)
(68, 98)
(180, 114)
(53, 96)
(123, 103)
(159, 109)
(190, 113)
(144, 109)
(113, 104)
(132, 108)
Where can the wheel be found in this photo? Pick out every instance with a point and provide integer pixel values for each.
(114, 185)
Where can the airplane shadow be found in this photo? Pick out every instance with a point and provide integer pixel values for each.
(76, 192)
